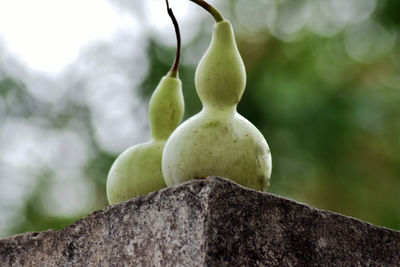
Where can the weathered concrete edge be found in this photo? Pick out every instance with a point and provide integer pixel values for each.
(203, 190)
(289, 232)
(304, 205)
(210, 180)
(51, 246)
(96, 213)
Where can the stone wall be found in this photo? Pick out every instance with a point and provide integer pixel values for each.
(211, 222)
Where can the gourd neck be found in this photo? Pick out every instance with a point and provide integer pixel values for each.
(166, 108)
(223, 35)
(219, 111)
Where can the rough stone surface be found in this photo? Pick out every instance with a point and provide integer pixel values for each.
(211, 222)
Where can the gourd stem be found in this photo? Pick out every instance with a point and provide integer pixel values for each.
(174, 69)
(212, 10)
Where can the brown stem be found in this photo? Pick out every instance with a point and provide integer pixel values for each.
(174, 70)
(214, 12)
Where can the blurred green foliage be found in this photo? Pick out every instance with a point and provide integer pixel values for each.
(388, 13)
(332, 122)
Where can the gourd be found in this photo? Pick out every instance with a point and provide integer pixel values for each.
(218, 140)
(137, 171)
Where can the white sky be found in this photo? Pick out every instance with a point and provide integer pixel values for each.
(48, 34)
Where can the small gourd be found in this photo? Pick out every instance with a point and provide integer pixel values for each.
(218, 141)
(137, 171)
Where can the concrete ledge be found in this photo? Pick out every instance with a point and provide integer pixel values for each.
(211, 222)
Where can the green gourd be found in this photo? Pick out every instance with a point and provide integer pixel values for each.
(218, 140)
(137, 171)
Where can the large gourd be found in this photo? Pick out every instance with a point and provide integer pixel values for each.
(218, 140)
(137, 171)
